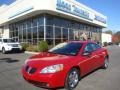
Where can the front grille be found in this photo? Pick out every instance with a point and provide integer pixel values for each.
(15, 49)
(30, 70)
(38, 84)
(15, 45)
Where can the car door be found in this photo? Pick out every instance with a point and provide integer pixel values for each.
(87, 63)
(99, 55)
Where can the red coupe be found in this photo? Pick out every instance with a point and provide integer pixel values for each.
(65, 64)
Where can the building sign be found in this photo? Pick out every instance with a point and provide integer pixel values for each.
(67, 7)
(72, 9)
(100, 19)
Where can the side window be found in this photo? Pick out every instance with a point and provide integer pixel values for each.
(95, 46)
(0, 40)
(88, 48)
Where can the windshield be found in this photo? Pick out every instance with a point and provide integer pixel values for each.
(8, 41)
(67, 48)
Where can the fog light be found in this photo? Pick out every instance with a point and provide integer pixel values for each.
(47, 85)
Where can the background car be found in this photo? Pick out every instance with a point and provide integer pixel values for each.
(65, 64)
(7, 45)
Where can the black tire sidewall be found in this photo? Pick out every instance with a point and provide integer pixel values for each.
(104, 67)
(3, 50)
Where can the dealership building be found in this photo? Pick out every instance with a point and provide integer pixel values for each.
(55, 21)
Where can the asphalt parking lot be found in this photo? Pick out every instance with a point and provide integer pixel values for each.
(11, 78)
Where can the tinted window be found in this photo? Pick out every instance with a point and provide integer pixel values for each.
(0, 40)
(88, 48)
(67, 48)
(95, 46)
(8, 40)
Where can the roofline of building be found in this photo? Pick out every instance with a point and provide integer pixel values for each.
(31, 9)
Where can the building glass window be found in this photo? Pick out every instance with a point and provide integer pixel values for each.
(29, 30)
(71, 34)
(49, 32)
(57, 41)
(65, 33)
(50, 41)
(29, 24)
(58, 29)
(24, 35)
(34, 23)
(58, 32)
(41, 32)
(40, 21)
(34, 32)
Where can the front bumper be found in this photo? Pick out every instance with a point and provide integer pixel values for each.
(45, 80)
(12, 49)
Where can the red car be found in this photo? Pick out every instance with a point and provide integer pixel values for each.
(65, 64)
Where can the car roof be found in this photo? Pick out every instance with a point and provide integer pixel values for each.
(84, 42)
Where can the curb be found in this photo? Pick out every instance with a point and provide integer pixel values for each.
(27, 52)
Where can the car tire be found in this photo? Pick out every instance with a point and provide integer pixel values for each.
(3, 50)
(106, 63)
(72, 79)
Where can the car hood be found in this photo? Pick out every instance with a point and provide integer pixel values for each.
(13, 43)
(47, 59)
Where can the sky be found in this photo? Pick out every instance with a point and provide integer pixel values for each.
(109, 8)
(6, 1)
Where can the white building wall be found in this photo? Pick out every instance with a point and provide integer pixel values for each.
(6, 32)
(106, 38)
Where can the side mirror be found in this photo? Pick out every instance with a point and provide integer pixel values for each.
(86, 53)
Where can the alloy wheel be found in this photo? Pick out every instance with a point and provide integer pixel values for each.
(72, 79)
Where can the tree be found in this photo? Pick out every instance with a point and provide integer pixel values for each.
(116, 37)
(109, 32)
(43, 46)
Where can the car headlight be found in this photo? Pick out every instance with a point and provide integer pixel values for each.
(26, 61)
(52, 69)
